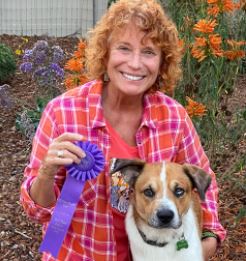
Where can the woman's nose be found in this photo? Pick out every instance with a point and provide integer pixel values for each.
(135, 60)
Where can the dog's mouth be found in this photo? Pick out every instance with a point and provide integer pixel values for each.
(166, 226)
(161, 224)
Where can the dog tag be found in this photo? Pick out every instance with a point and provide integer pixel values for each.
(182, 244)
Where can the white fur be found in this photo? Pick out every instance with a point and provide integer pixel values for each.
(142, 251)
(163, 173)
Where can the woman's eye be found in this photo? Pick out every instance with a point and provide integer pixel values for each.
(123, 48)
(149, 52)
(149, 193)
(179, 192)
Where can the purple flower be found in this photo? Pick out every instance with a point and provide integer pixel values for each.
(28, 54)
(41, 72)
(26, 67)
(41, 45)
(58, 54)
(42, 62)
(57, 69)
(39, 56)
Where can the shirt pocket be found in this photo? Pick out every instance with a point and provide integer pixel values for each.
(119, 192)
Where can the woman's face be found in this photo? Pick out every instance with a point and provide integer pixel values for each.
(133, 65)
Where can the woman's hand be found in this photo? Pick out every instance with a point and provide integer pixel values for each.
(209, 246)
(61, 152)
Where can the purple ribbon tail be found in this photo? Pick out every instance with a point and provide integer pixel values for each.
(62, 216)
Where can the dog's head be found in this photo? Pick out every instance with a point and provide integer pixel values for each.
(161, 192)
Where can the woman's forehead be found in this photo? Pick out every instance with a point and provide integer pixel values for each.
(129, 32)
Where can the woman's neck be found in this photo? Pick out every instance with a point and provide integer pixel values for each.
(123, 113)
(115, 100)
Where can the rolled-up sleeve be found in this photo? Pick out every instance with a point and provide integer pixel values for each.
(46, 132)
(33, 210)
(191, 151)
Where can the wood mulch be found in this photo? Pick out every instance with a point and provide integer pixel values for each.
(20, 238)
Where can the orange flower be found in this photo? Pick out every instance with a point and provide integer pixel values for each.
(205, 26)
(228, 5)
(83, 79)
(81, 45)
(70, 82)
(212, 1)
(220, 6)
(215, 44)
(234, 43)
(75, 65)
(74, 80)
(198, 53)
(200, 41)
(80, 52)
(195, 108)
(213, 10)
(234, 54)
(198, 49)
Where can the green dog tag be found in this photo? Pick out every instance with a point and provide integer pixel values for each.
(181, 244)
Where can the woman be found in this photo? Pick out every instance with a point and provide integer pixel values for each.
(133, 54)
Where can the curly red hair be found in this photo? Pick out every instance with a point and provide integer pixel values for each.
(150, 18)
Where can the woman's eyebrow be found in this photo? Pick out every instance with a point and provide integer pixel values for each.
(125, 43)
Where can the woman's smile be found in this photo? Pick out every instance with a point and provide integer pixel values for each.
(132, 77)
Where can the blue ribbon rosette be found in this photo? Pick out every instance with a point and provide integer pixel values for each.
(89, 168)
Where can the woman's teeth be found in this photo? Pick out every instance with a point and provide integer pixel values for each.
(132, 77)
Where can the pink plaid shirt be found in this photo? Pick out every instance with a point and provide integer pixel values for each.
(166, 133)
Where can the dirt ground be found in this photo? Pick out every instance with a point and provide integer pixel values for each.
(20, 238)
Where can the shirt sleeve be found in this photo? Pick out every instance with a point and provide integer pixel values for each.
(46, 132)
(191, 151)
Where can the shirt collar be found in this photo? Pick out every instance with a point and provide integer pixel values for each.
(97, 119)
(150, 112)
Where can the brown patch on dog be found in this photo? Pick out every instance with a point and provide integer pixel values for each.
(149, 179)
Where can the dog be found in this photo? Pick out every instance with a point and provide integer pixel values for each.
(164, 217)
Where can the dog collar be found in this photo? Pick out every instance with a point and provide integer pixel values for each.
(151, 242)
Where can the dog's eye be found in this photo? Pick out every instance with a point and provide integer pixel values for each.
(149, 193)
(179, 192)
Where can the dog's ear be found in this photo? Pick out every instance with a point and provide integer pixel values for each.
(130, 169)
(199, 178)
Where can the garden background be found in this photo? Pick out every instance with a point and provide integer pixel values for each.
(33, 69)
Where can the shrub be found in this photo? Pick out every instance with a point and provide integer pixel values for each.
(27, 121)
(7, 63)
(5, 99)
(213, 37)
(43, 64)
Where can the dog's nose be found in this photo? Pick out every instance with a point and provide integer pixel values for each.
(165, 216)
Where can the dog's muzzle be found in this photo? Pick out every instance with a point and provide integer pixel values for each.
(165, 218)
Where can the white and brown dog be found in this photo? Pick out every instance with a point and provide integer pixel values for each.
(164, 217)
